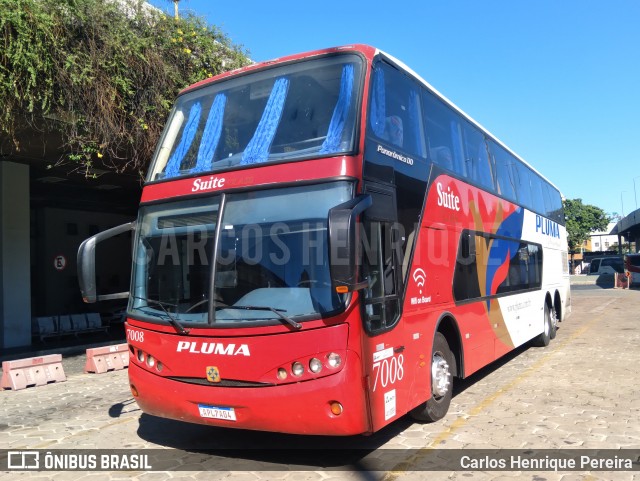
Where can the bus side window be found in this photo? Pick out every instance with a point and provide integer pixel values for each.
(553, 202)
(538, 194)
(523, 185)
(444, 134)
(395, 112)
(505, 166)
(465, 279)
(479, 166)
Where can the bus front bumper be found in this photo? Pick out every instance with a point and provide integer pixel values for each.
(296, 408)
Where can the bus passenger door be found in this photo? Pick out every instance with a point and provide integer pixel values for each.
(383, 344)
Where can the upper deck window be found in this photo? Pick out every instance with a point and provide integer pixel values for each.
(296, 111)
(395, 111)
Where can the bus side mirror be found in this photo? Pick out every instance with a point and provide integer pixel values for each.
(344, 252)
(87, 264)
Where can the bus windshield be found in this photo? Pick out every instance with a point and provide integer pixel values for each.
(292, 112)
(272, 257)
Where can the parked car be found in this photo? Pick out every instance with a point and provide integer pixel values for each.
(632, 267)
(606, 265)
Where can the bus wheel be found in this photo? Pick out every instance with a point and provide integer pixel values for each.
(553, 320)
(442, 363)
(543, 339)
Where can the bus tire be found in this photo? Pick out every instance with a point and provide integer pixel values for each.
(544, 338)
(442, 366)
(553, 319)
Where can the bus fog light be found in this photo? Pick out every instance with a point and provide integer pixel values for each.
(334, 360)
(151, 361)
(297, 369)
(140, 356)
(282, 374)
(159, 366)
(336, 408)
(315, 366)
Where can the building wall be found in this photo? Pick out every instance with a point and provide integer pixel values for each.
(602, 241)
(58, 234)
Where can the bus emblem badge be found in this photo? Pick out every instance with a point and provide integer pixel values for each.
(213, 375)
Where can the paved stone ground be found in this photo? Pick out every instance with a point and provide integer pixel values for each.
(582, 391)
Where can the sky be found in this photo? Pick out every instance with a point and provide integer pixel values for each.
(557, 81)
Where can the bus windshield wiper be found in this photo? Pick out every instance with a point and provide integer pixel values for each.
(172, 320)
(277, 312)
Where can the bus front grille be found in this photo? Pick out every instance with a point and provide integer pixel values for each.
(222, 383)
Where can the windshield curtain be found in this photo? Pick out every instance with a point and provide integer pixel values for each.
(297, 111)
(272, 256)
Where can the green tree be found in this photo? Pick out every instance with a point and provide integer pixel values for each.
(615, 247)
(582, 219)
(101, 74)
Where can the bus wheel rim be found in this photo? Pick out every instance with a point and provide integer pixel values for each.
(439, 375)
(548, 323)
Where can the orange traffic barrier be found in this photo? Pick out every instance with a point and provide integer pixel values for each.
(107, 358)
(32, 371)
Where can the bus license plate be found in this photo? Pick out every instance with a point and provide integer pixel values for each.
(217, 412)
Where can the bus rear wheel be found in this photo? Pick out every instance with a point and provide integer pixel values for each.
(544, 338)
(442, 366)
(553, 320)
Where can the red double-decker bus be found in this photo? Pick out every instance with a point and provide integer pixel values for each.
(324, 243)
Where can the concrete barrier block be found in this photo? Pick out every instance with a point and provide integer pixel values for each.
(107, 358)
(32, 371)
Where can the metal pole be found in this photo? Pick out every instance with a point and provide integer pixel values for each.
(622, 203)
(634, 190)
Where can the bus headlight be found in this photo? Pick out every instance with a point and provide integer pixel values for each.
(315, 366)
(297, 369)
(334, 360)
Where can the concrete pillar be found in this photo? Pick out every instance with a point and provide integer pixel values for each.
(620, 241)
(15, 256)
